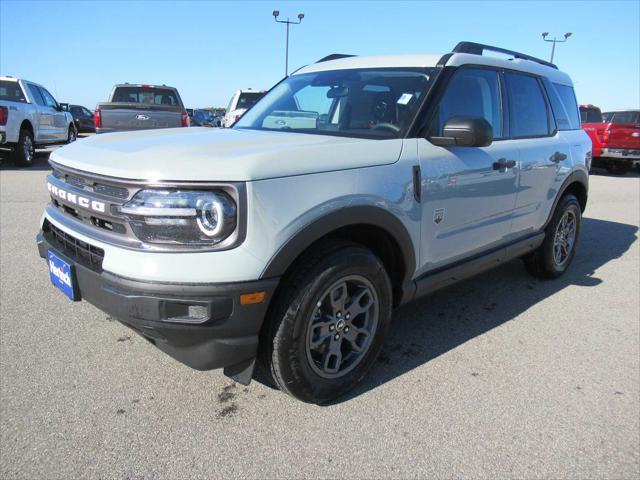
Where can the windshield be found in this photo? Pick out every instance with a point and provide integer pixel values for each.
(365, 103)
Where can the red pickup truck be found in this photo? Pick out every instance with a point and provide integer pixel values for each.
(615, 137)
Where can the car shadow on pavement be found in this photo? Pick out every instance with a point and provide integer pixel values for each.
(430, 327)
(40, 162)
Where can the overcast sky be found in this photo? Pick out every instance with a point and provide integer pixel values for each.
(79, 50)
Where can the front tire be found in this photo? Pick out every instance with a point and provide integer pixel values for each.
(556, 253)
(327, 326)
(25, 151)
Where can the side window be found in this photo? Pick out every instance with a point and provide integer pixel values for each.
(568, 99)
(473, 93)
(313, 99)
(527, 106)
(35, 93)
(48, 98)
(86, 112)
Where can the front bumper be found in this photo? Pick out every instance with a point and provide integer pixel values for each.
(631, 154)
(223, 334)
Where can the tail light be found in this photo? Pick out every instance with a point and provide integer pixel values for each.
(4, 114)
(97, 118)
(184, 120)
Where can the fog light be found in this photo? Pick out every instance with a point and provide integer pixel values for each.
(197, 312)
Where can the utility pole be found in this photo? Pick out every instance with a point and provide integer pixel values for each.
(288, 22)
(554, 41)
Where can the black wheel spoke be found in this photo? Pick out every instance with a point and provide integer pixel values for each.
(338, 298)
(356, 337)
(332, 356)
(320, 332)
(357, 307)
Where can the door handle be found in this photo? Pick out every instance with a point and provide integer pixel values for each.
(503, 164)
(557, 157)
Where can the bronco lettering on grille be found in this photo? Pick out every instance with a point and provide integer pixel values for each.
(79, 200)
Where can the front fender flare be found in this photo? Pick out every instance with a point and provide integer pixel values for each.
(344, 217)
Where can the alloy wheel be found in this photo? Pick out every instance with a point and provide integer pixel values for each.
(342, 326)
(565, 238)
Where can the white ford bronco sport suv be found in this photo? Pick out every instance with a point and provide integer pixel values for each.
(355, 185)
(30, 117)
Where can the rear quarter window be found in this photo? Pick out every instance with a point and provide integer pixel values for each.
(568, 100)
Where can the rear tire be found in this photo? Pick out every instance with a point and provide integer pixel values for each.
(25, 151)
(327, 325)
(553, 257)
(72, 136)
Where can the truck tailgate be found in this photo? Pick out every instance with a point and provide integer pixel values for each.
(131, 116)
(622, 135)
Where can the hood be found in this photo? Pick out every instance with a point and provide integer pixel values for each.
(203, 154)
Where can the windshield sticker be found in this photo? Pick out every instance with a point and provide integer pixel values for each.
(405, 98)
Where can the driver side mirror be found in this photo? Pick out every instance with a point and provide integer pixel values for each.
(465, 132)
(63, 107)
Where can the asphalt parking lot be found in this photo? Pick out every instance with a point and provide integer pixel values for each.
(499, 376)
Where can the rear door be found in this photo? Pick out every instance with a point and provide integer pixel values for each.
(545, 155)
(468, 192)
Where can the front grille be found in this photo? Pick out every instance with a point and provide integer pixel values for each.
(91, 186)
(79, 251)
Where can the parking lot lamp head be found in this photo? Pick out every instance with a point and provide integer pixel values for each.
(287, 22)
(554, 41)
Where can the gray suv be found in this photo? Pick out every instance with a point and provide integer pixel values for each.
(353, 186)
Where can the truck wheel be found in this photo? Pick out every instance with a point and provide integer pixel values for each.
(555, 254)
(326, 328)
(73, 134)
(25, 151)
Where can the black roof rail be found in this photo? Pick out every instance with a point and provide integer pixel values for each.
(334, 56)
(478, 49)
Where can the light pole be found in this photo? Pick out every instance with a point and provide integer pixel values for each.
(554, 41)
(288, 22)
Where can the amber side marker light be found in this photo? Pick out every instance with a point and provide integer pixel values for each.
(251, 298)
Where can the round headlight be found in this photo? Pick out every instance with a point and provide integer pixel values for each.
(210, 218)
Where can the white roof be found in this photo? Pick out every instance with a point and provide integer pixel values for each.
(431, 60)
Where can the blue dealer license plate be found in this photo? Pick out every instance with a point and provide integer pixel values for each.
(61, 275)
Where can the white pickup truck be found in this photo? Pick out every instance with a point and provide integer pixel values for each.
(30, 117)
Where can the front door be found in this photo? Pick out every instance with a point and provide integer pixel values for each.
(468, 192)
(59, 120)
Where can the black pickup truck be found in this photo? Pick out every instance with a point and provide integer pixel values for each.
(140, 107)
